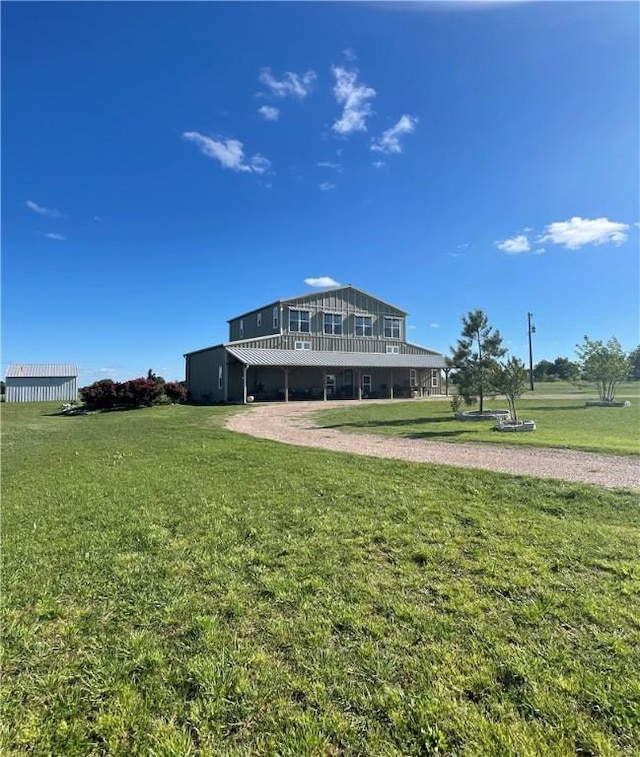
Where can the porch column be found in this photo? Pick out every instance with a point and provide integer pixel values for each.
(391, 386)
(446, 380)
(359, 380)
(244, 383)
(286, 384)
(324, 386)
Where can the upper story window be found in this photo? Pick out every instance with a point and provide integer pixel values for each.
(241, 328)
(276, 310)
(302, 346)
(364, 325)
(332, 324)
(392, 328)
(393, 349)
(259, 320)
(299, 321)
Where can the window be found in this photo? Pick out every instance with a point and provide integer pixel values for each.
(392, 328)
(332, 324)
(259, 320)
(435, 379)
(275, 317)
(366, 385)
(219, 377)
(413, 377)
(363, 325)
(302, 346)
(393, 349)
(299, 321)
(241, 328)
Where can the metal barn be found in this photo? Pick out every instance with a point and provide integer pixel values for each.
(41, 383)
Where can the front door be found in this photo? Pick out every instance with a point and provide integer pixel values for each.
(366, 386)
(348, 383)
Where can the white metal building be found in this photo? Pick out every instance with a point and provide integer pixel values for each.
(41, 383)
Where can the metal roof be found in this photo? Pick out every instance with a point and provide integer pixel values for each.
(41, 370)
(333, 359)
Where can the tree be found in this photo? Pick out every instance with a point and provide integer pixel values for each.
(634, 364)
(564, 369)
(542, 370)
(511, 379)
(476, 355)
(603, 363)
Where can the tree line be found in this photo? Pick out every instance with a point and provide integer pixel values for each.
(480, 367)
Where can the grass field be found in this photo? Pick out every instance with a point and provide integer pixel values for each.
(170, 588)
(563, 423)
(624, 390)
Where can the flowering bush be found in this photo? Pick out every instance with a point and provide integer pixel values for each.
(175, 391)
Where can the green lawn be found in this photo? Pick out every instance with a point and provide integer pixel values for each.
(625, 389)
(564, 423)
(170, 588)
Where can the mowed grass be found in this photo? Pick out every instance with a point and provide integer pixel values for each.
(561, 423)
(170, 588)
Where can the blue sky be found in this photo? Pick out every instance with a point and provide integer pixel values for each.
(167, 166)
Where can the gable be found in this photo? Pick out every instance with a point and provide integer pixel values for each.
(346, 299)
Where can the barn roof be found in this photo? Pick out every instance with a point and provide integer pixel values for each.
(41, 370)
(333, 359)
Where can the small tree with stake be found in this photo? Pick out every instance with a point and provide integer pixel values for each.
(476, 355)
(603, 363)
(511, 379)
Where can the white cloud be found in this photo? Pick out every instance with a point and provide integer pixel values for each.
(389, 141)
(514, 245)
(527, 229)
(354, 97)
(51, 213)
(326, 186)
(379, 164)
(322, 281)
(294, 85)
(327, 164)
(57, 237)
(97, 218)
(454, 254)
(349, 53)
(463, 246)
(269, 113)
(539, 251)
(229, 153)
(434, 325)
(577, 232)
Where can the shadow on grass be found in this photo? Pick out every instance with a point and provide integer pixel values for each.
(552, 409)
(393, 423)
(437, 434)
(81, 413)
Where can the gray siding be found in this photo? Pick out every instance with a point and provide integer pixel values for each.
(337, 343)
(45, 389)
(249, 322)
(348, 303)
(203, 371)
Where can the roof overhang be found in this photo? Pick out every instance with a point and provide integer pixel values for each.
(332, 359)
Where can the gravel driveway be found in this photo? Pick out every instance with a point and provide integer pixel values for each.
(293, 423)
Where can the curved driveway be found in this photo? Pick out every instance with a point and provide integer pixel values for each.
(292, 423)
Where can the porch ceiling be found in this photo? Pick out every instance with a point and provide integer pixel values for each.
(333, 359)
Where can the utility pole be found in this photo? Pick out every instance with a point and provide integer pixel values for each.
(531, 330)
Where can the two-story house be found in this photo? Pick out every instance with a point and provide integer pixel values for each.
(336, 343)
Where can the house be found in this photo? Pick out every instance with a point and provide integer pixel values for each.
(336, 343)
(28, 382)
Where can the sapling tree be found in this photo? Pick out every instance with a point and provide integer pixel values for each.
(603, 363)
(511, 378)
(476, 356)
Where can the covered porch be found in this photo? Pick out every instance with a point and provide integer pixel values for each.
(287, 375)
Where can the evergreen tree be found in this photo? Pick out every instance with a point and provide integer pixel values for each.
(476, 356)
